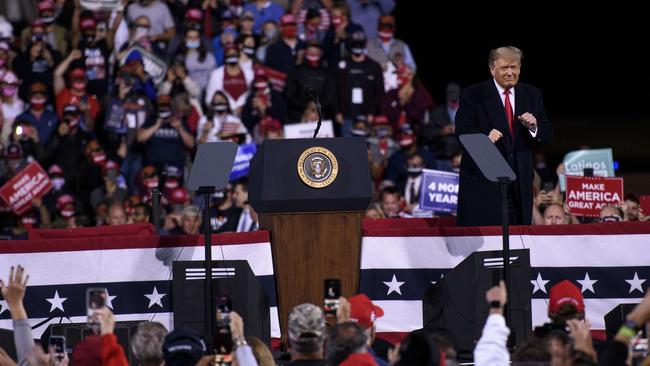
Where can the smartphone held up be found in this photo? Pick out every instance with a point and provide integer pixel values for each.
(95, 300)
(331, 295)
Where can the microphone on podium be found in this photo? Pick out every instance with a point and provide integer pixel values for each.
(313, 95)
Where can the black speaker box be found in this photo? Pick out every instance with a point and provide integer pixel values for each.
(615, 318)
(455, 306)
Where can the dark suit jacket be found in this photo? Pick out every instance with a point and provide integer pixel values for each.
(481, 110)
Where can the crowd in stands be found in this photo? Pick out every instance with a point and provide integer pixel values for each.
(346, 338)
(85, 94)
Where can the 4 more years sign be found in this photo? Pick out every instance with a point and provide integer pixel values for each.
(586, 196)
(32, 182)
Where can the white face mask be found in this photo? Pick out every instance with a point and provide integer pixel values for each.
(58, 183)
(140, 32)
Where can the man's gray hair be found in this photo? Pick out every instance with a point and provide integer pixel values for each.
(506, 51)
(146, 344)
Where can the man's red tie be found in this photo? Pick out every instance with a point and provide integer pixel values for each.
(509, 115)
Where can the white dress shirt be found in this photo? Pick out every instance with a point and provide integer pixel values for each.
(512, 103)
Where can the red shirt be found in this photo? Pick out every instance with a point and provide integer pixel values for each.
(66, 97)
(235, 86)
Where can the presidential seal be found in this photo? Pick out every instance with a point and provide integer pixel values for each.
(317, 167)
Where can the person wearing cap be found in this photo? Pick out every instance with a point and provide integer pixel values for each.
(15, 161)
(283, 54)
(513, 117)
(162, 24)
(335, 43)
(264, 101)
(109, 190)
(75, 91)
(385, 48)
(270, 129)
(57, 36)
(263, 11)
(38, 60)
(11, 105)
(166, 137)
(361, 85)
(96, 51)
(565, 302)
(438, 134)
(232, 79)
(306, 333)
(311, 73)
(363, 312)
(67, 145)
(39, 114)
(367, 13)
(311, 29)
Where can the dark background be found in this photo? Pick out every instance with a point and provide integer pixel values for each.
(591, 64)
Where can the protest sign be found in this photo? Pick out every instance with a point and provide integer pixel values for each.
(242, 161)
(600, 160)
(99, 4)
(153, 65)
(439, 191)
(31, 182)
(586, 196)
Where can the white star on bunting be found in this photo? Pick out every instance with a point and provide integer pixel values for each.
(635, 283)
(539, 284)
(394, 286)
(56, 301)
(588, 284)
(155, 298)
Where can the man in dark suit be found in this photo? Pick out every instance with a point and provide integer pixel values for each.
(512, 115)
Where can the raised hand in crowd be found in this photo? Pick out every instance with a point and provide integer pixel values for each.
(106, 320)
(580, 332)
(39, 358)
(236, 326)
(344, 310)
(497, 294)
(5, 360)
(13, 291)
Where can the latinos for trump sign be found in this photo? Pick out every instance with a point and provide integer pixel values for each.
(243, 161)
(439, 191)
(600, 160)
(30, 183)
(586, 196)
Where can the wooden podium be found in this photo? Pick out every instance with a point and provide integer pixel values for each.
(315, 232)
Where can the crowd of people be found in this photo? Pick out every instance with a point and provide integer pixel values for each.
(346, 338)
(83, 93)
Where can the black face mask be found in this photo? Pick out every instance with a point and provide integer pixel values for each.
(220, 107)
(128, 80)
(89, 39)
